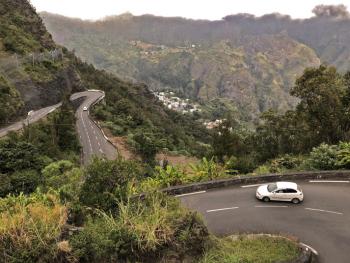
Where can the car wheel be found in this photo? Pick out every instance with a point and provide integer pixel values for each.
(295, 201)
(266, 199)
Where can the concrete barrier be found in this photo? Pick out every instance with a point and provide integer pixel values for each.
(240, 180)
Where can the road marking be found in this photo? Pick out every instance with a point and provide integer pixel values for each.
(87, 134)
(311, 248)
(324, 181)
(271, 206)
(194, 193)
(325, 211)
(222, 209)
(101, 150)
(251, 185)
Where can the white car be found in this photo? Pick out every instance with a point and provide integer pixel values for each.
(85, 108)
(280, 191)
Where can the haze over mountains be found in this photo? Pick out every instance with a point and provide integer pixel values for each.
(250, 62)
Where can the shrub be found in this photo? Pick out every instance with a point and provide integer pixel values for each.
(141, 232)
(170, 176)
(57, 168)
(20, 155)
(343, 155)
(323, 157)
(106, 182)
(25, 181)
(246, 164)
(262, 169)
(207, 170)
(145, 145)
(286, 162)
(63, 177)
(31, 228)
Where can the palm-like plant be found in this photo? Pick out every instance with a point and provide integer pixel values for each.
(170, 176)
(207, 170)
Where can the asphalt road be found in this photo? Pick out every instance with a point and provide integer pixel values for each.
(34, 117)
(90, 136)
(322, 221)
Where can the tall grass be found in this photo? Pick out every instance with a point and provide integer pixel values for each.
(30, 227)
(140, 232)
(262, 249)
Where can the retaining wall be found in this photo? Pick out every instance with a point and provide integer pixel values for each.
(239, 180)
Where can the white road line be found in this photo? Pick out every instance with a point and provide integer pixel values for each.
(325, 181)
(271, 206)
(325, 211)
(311, 248)
(251, 185)
(194, 193)
(87, 134)
(222, 209)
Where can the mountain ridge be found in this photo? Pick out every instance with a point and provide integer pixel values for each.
(198, 59)
(36, 72)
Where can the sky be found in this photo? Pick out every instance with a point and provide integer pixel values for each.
(196, 9)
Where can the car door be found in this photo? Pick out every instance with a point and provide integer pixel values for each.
(278, 195)
(290, 194)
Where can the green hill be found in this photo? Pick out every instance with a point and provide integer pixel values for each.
(202, 60)
(35, 72)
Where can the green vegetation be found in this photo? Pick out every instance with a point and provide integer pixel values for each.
(132, 111)
(252, 249)
(117, 226)
(143, 231)
(31, 227)
(212, 64)
(10, 101)
(44, 192)
(22, 30)
(24, 157)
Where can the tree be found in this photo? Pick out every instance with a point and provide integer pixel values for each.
(25, 181)
(16, 156)
(107, 182)
(64, 125)
(227, 141)
(145, 145)
(321, 91)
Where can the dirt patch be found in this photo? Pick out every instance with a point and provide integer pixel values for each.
(124, 150)
(121, 145)
(177, 160)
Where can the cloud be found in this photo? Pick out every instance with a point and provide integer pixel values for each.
(338, 11)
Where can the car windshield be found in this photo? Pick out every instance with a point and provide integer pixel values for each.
(271, 187)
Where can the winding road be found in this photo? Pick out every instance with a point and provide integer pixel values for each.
(34, 117)
(91, 137)
(322, 221)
